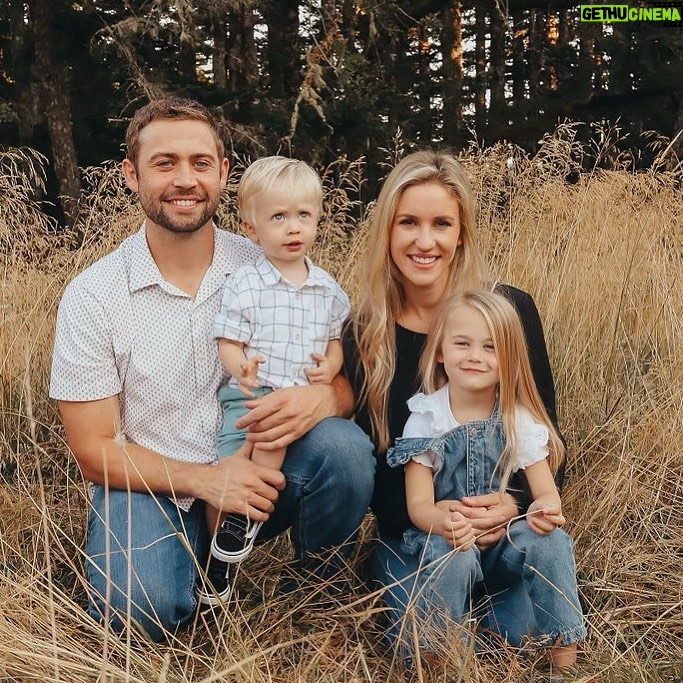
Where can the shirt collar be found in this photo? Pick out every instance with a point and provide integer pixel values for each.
(144, 271)
(271, 275)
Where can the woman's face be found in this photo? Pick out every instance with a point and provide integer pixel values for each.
(425, 234)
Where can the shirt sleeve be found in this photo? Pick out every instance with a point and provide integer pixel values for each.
(532, 440)
(341, 308)
(231, 321)
(84, 360)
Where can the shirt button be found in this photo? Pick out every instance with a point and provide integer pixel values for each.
(297, 336)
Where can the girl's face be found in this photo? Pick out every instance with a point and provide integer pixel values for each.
(467, 352)
(425, 234)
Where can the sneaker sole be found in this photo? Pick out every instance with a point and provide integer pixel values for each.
(212, 599)
(239, 555)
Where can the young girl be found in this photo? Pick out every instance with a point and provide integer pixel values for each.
(481, 420)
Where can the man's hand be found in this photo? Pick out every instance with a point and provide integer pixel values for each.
(488, 514)
(282, 416)
(237, 484)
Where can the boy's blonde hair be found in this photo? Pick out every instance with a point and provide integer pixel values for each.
(292, 177)
(516, 385)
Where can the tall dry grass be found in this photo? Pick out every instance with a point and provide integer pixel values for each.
(602, 257)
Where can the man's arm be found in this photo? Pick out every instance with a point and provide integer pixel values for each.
(235, 484)
(281, 417)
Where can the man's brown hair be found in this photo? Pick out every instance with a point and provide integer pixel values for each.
(169, 108)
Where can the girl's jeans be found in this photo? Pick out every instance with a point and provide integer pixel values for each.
(143, 553)
(529, 582)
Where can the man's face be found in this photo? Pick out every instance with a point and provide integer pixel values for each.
(178, 174)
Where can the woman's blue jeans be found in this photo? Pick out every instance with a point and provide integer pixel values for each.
(523, 587)
(143, 553)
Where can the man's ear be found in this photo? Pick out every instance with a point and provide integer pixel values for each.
(130, 174)
(225, 169)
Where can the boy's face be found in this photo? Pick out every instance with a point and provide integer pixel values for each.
(283, 226)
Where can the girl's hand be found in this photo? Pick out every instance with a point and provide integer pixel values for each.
(545, 516)
(248, 371)
(458, 531)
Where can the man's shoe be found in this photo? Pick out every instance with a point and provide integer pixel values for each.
(216, 589)
(235, 538)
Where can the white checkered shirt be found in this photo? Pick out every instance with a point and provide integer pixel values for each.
(122, 329)
(281, 321)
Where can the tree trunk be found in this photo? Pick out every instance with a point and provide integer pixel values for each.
(26, 96)
(518, 71)
(219, 54)
(53, 82)
(284, 59)
(497, 65)
(242, 58)
(451, 55)
(348, 23)
(534, 51)
(480, 70)
(425, 118)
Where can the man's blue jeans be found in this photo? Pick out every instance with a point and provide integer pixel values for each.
(143, 553)
(528, 580)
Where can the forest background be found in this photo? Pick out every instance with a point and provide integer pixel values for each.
(571, 133)
(329, 78)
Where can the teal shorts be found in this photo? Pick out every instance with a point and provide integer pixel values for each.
(232, 400)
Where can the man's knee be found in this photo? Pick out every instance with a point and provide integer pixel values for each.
(140, 569)
(341, 450)
(155, 615)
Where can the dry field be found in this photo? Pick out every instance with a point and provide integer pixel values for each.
(603, 257)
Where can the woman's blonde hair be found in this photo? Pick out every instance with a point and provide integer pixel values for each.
(516, 386)
(383, 292)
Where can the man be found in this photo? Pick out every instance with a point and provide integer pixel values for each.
(135, 372)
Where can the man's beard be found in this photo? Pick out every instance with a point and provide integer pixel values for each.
(156, 212)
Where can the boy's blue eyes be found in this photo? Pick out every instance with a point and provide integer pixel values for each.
(280, 216)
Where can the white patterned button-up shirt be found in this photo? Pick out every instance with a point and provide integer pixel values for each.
(283, 322)
(122, 329)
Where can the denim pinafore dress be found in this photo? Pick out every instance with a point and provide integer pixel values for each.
(465, 464)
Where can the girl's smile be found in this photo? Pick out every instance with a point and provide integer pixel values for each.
(468, 353)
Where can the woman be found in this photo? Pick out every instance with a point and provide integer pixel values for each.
(422, 247)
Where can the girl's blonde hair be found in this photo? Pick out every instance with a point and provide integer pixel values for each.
(383, 292)
(516, 386)
(290, 177)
